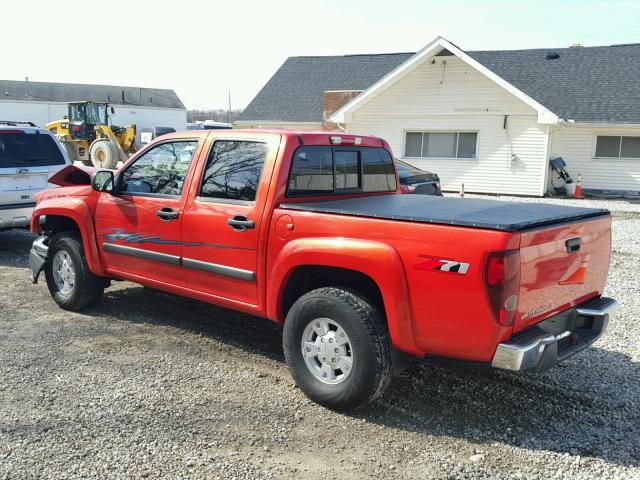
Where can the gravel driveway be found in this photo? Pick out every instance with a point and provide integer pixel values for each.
(148, 385)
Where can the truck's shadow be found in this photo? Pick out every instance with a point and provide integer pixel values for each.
(590, 406)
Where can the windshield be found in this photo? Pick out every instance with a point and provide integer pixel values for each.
(94, 113)
(406, 168)
(19, 149)
(97, 113)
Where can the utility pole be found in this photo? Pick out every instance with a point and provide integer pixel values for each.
(229, 111)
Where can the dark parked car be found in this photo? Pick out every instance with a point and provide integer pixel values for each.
(414, 180)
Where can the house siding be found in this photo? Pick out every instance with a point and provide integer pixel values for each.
(456, 97)
(576, 145)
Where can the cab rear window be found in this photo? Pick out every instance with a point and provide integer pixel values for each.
(336, 170)
(20, 149)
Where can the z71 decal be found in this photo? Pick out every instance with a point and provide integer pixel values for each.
(444, 265)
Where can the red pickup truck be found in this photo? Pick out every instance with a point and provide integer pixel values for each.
(309, 229)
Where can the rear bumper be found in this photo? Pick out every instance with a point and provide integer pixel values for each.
(15, 215)
(548, 343)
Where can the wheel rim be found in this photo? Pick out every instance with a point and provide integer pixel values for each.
(64, 274)
(327, 351)
(100, 157)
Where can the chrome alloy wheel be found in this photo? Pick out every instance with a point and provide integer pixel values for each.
(64, 274)
(327, 351)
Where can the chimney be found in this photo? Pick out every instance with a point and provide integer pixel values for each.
(576, 45)
(332, 101)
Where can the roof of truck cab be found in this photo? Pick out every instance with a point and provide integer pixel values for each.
(319, 137)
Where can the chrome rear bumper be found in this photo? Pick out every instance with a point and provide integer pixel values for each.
(549, 342)
(15, 215)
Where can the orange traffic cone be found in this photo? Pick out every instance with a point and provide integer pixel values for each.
(578, 191)
(462, 190)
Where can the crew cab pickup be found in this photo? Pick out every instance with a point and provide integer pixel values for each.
(309, 229)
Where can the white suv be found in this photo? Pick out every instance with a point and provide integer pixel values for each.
(29, 156)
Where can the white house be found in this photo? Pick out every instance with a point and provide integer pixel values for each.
(490, 119)
(42, 102)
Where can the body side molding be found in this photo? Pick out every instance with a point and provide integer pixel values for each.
(141, 253)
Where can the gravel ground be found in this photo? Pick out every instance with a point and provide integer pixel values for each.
(148, 385)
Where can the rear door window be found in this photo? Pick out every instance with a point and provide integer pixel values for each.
(19, 150)
(233, 170)
(336, 170)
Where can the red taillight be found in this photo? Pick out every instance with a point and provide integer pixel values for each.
(407, 188)
(502, 279)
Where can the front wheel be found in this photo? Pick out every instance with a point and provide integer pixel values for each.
(337, 347)
(70, 282)
(104, 154)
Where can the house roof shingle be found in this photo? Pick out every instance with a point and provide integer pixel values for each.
(590, 84)
(294, 93)
(70, 92)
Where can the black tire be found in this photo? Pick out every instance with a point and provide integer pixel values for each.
(367, 331)
(104, 154)
(71, 149)
(88, 288)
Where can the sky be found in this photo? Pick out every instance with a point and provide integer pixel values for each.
(204, 49)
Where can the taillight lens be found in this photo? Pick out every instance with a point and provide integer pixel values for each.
(407, 188)
(502, 280)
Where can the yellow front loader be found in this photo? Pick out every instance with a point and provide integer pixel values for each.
(87, 136)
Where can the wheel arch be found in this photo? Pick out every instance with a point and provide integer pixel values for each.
(69, 214)
(373, 268)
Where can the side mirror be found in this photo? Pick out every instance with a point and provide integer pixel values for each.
(103, 181)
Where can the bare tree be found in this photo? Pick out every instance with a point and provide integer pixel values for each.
(217, 115)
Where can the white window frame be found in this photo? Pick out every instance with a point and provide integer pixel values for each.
(595, 147)
(423, 131)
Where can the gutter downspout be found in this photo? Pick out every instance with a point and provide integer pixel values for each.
(547, 153)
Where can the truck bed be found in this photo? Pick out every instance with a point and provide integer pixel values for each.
(468, 212)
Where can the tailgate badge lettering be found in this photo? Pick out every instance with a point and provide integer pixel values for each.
(537, 311)
(443, 265)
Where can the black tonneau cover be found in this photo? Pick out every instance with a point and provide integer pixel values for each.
(468, 212)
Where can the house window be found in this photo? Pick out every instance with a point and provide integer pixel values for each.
(617, 147)
(440, 144)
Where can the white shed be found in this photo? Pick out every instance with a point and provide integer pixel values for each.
(42, 102)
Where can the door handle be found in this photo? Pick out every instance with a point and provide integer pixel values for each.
(167, 214)
(240, 223)
(573, 245)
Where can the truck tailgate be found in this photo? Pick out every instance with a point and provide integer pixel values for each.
(561, 266)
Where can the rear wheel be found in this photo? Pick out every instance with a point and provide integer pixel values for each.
(104, 154)
(70, 282)
(337, 348)
(71, 149)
